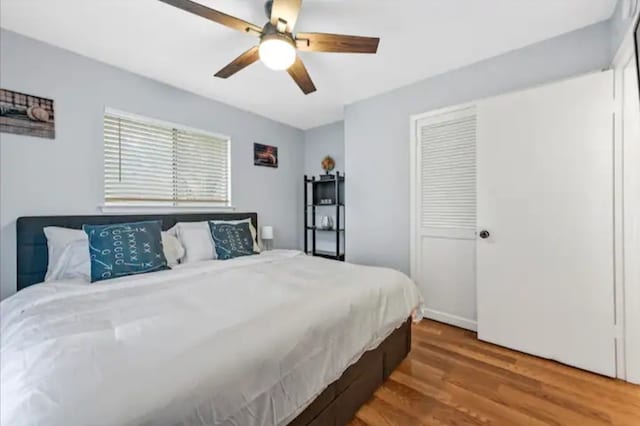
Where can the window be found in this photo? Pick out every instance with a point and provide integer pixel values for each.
(148, 162)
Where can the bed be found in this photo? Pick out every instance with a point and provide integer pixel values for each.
(256, 340)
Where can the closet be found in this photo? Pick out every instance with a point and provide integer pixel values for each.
(513, 219)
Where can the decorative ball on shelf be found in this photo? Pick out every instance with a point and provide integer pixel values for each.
(328, 164)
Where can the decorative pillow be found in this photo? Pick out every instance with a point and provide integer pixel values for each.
(122, 249)
(232, 239)
(195, 237)
(254, 233)
(69, 253)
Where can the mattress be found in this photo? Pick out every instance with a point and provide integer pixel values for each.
(248, 341)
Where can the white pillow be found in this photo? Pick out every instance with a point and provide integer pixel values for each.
(172, 248)
(198, 243)
(254, 233)
(69, 253)
(57, 240)
(196, 239)
(73, 263)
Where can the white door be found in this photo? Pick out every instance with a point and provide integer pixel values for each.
(631, 215)
(545, 194)
(444, 214)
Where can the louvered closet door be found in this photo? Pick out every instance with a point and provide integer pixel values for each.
(443, 249)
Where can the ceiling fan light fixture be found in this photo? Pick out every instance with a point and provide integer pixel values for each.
(277, 51)
(278, 45)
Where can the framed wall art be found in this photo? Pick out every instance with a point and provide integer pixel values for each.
(28, 115)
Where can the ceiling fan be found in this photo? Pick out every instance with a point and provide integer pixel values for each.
(278, 43)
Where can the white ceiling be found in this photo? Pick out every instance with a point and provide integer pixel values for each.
(419, 38)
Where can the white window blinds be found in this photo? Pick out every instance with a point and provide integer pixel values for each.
(156, 163)
(448, 170)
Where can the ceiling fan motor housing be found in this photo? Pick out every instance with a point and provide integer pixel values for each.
(270, 31)
(268, 6)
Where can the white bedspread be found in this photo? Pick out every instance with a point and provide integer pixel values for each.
(249, 341)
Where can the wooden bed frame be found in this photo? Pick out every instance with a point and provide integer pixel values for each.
(339, 402)
(336, 405)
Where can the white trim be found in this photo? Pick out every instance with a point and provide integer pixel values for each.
(230, 173)
(627, 318)
(138, 209)
(454, 320)
(446, 110)
(413, 158)
(618, 229)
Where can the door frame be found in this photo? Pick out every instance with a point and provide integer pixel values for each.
(627, 318)
(414, 206)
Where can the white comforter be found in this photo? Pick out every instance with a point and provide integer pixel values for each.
(249, 341)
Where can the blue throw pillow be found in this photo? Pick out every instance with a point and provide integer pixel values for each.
(232, 239)
(122, 249)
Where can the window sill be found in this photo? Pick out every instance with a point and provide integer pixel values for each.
(130, 209)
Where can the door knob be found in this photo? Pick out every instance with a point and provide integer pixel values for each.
(484, 234)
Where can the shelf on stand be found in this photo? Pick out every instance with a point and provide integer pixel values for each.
(317, 228)
(329, 255)
(324, 193)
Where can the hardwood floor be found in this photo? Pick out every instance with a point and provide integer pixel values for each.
(451, 378)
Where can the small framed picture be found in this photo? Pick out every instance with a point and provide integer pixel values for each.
(28, 115)
(265, 155)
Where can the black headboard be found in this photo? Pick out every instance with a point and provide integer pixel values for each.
(32, 253)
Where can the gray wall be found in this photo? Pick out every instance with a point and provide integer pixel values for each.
(318, 143)
(64, 176)
(322, 141)
(377, 133)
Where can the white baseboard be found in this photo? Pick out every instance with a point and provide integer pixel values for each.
(455, 320)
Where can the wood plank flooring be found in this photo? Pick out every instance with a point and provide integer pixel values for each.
(451, 378)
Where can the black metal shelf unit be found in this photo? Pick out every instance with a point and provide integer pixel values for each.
(324, 193)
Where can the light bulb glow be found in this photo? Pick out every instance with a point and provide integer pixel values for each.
(277, 54)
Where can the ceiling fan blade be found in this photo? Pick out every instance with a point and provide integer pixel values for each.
(339, 43)
(241, 62)
(286, 10)
(300, 75)
(214, 15)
